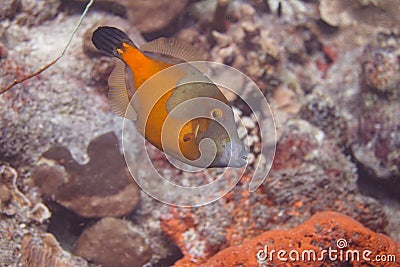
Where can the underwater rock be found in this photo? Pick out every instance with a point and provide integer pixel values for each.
(382, 72)
(65, 107)
(322, 113)
(113, 242)
(3, 51)
(248, 44)
(15, 203)
(342, 86)
(203, 10)
(9, 8)
(286, 100)
(43, 250)
(294, 11)
(392, 211)
(146, 220)
(332, 13)
(344, 13)
(20, 216)
(150, 16)
(101, 70)
(211, 14)
(378, 147)
(10, 241)
(35, 12)
(322, 231)
(102, 187)
(5, 194)
(310, 174)
(195, 39)
(12, 215)
(357, 22)
(199, 233)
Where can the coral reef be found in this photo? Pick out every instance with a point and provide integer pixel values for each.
(310, 174)
(322, 113)
(36, 12)
(15, 203)
(359, 21)
(330, 71)
(9, 8)
(381, 72)
(59, 99)
(22, 238)
(342, 87)
(343, 13)
(43, 250)
(322, 231)
(377, 148)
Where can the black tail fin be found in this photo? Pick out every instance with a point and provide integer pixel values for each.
(108, 39)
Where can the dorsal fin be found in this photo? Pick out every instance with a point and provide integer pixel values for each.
(173, 47)
(118, 97)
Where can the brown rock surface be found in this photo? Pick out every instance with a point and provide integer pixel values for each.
(102, 187)
(112, 242)
(150, 16)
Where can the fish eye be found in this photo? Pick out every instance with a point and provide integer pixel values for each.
(216, 113)
(188, 137)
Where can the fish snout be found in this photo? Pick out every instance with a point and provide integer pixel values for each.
(233, 154)
(239, 155)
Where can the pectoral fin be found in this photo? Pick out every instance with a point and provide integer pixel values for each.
(118, 95)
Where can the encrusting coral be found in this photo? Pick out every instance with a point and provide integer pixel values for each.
(348, 241)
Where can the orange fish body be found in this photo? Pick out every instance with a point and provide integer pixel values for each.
(155, 99)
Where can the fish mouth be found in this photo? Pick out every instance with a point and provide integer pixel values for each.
(233, 154)
(244, 155)
(241, 159)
